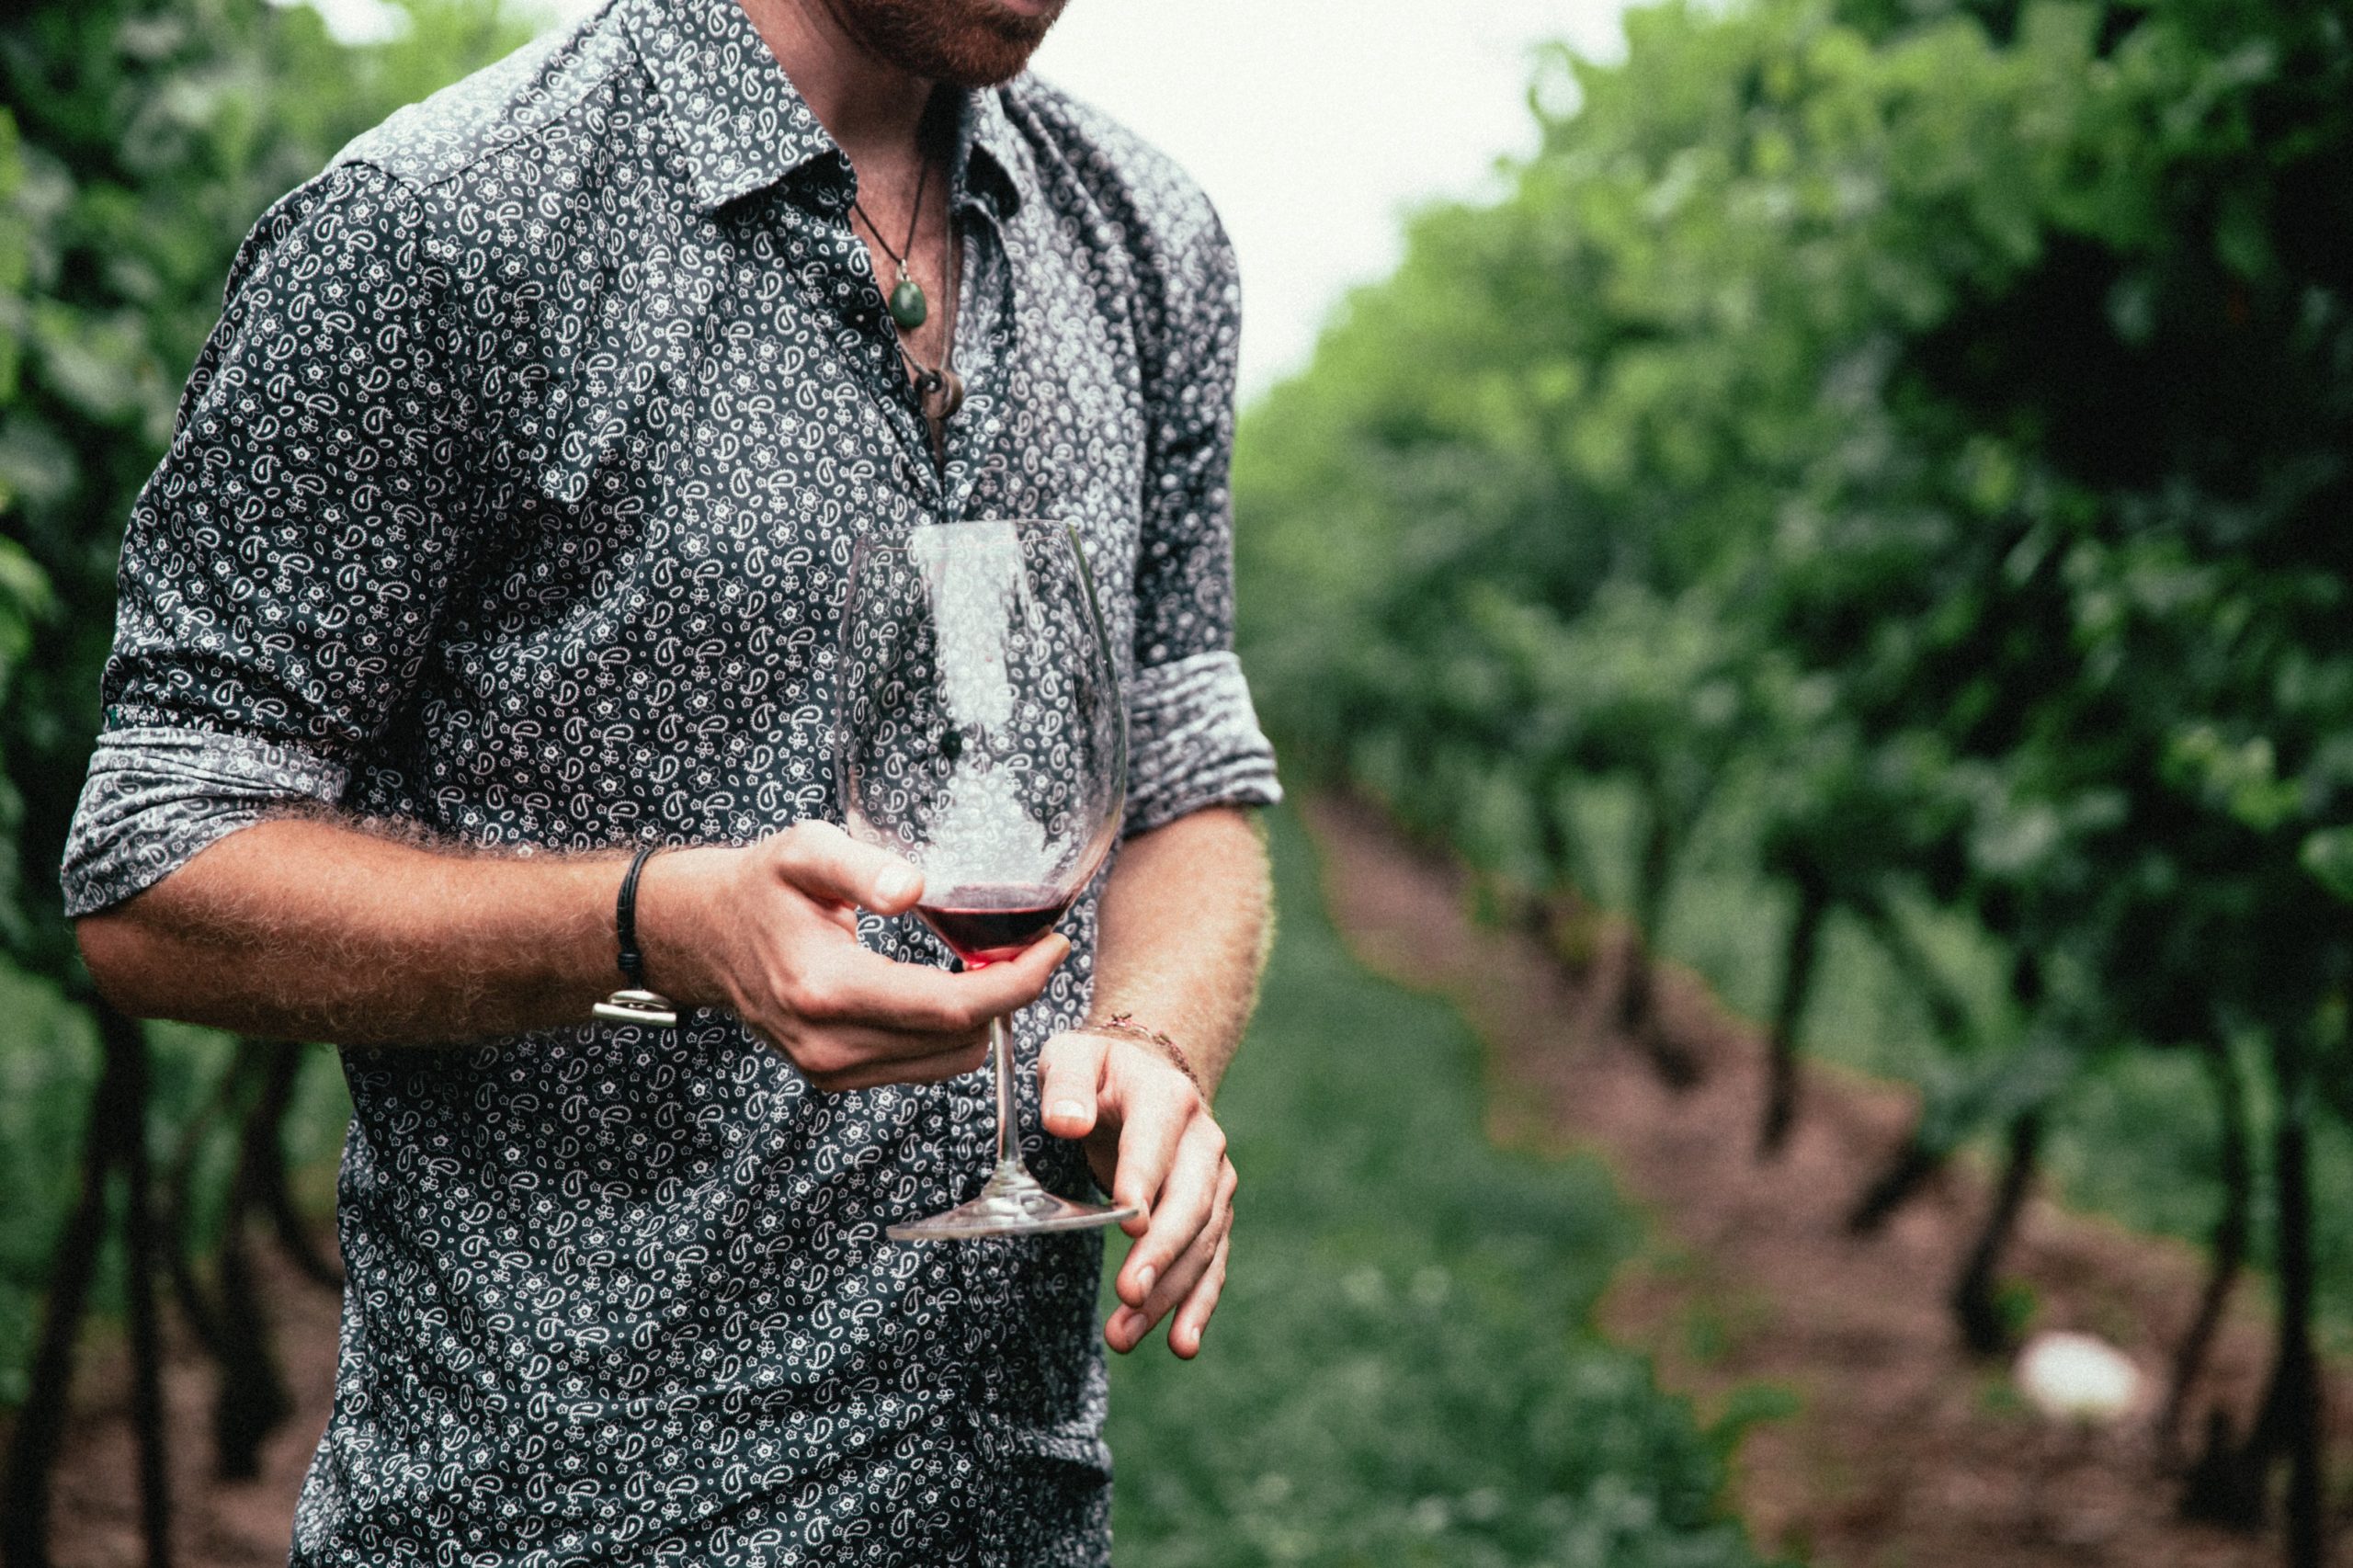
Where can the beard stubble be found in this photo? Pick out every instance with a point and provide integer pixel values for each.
(965, 43)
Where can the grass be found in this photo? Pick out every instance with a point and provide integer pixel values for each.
(1404, 1369)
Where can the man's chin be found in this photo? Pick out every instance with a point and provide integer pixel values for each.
(967, 43)
(998, 45)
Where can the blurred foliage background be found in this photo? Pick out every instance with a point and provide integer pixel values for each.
(1867, 508)
(1869, 505)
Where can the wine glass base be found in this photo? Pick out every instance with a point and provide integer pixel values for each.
(1011, 1205)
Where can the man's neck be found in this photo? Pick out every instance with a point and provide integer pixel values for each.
(870, 107)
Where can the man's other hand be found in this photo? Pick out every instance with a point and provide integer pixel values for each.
(1152, 1144)
(770, 931)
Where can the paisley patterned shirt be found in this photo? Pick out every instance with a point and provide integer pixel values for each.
(513, 497)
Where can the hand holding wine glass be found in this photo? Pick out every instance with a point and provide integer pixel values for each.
(770, 932)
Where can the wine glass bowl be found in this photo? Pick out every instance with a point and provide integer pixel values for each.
(981, 736)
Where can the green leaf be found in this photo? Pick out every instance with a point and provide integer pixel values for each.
(2328, 855)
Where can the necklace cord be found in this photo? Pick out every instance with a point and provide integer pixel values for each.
(936, 386)
(914, 220)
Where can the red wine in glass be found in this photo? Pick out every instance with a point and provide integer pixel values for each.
(992, 925)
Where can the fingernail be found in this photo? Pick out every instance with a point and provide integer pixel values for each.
(896, 882)
(1144, 1276)
(1069, 1110)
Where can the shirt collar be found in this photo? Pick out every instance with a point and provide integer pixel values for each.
(742, 126)
(994, 159)
(739, 124)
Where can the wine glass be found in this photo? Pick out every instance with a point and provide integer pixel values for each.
(980, 735)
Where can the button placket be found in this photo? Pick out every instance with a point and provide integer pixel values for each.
(985, 345)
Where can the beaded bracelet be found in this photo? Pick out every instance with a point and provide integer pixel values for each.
(1126, 1028)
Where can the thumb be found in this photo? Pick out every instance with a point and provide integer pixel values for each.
(829, 865)
(1070, 1082)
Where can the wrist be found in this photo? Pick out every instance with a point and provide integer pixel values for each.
(1123, 1026)
(677, 898)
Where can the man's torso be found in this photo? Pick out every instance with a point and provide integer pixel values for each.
(612, 1288)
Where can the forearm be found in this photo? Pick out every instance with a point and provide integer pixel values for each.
(1187, 916)
(302, 928)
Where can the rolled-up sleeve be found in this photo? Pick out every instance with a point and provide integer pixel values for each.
(1194, 739)
(155, 797)
(284, 569)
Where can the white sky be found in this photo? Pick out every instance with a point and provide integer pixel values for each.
(1313, 124)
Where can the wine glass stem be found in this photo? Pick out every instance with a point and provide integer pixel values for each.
(1009, 1167)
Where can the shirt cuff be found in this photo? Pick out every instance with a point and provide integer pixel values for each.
(155, 797)
(1194, 741)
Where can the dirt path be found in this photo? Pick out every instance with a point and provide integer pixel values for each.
(216, 1524)
(1903, 1453)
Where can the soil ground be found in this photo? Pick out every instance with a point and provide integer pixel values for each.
(1902, 1451)
(216, 1524)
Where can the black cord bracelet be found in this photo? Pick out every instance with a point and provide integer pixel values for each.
(625, 918)
(634, 1004)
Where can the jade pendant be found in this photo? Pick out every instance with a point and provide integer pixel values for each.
(908, 307)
